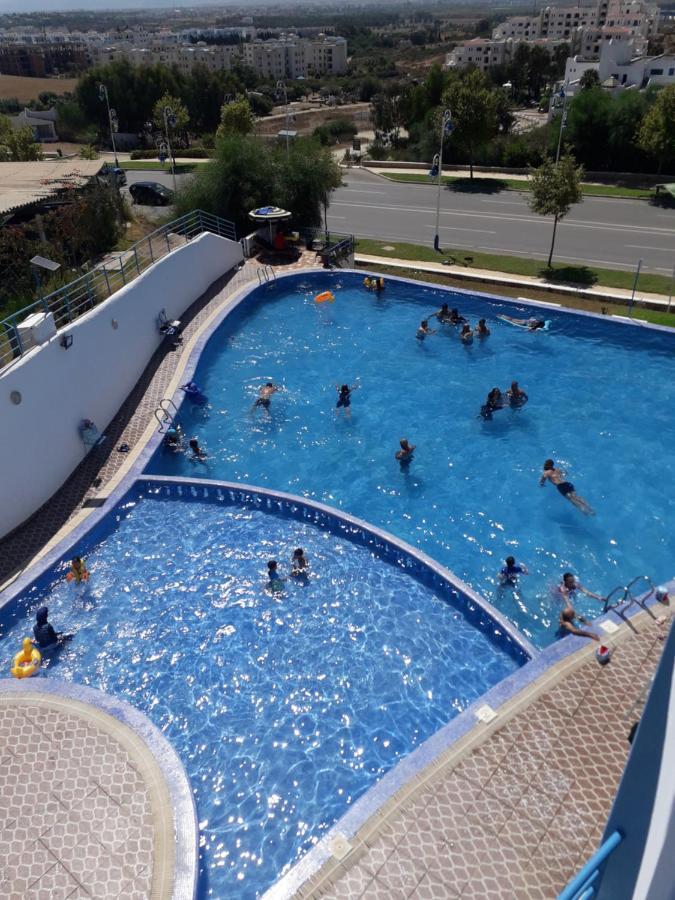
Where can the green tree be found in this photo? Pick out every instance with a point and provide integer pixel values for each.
(589, 79)
(236, 118)
(554, 188)
(474, 114)
(657, 131)
(248, 172)
(587, 127)
(180, 118)
(17, 145)
(89, 152)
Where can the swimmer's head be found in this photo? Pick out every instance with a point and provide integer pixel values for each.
(567, 615)
(404, 443)
(548, 465)
(344, 389)
(514, 386)
(269, 384)
(466, 328)
(568, 580)
(444, 308)
(41, 615)
(298, 553)
(481, 322)
(272, 565)
(424, 323)
(194, 444)
(454, 311)
(510, 561)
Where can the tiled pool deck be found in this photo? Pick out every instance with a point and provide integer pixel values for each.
(85, 809)
(514, 811)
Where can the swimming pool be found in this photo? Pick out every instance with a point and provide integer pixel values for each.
(284, 707)
(599, 403)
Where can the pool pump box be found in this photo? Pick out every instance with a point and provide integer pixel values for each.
(36, 329)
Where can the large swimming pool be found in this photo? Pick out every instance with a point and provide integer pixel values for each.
(600, 404)
(284, 707)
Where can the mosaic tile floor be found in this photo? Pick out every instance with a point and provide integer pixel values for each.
(76, 812)
(102, 463)
(516, 817)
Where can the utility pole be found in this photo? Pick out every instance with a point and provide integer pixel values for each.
(113, 123)
(170, 120)
(281, 88)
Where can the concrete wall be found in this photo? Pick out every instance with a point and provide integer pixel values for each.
(112, 344)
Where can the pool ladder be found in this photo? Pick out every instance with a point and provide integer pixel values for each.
(621, 598)
(165, 416)
(266, 275)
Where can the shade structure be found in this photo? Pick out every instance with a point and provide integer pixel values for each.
(269, 215)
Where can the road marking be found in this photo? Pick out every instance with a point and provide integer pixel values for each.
(351, 190)
(655, 249)
(461, 228)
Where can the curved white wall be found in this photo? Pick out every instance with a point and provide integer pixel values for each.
(40, 443)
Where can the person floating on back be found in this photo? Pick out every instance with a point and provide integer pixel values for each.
(265, 396)
(531, 324)
(566, 488)
(424, 330)
(405, 454)
(508, 574)
(516, 396)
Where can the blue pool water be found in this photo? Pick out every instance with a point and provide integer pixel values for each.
(284, 707)
(600, 404)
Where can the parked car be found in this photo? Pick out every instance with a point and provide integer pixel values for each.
(119, 174)
(150, 193)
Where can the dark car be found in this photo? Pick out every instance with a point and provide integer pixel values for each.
(150, 193)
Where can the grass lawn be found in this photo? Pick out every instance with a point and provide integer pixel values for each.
(481, 185)
(148, 165)
(578, 276)
(572, 302)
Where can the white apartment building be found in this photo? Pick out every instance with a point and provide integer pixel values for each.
(484, 53)
(287, 57)
(619, 67)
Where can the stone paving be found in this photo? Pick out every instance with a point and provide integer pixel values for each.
(128, 426)
(77, 817)
(517, 816)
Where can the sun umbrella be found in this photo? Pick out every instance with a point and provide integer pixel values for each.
(269, 214)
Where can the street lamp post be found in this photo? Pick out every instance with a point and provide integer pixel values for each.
(169, 121)
(446, 126)
(112, 118)
(281, 87)
(563, 125)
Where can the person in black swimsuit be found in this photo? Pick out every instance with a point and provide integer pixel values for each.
(405, 454)
(566, 488)
(517, 397)
(494, 401)
(265, 395)
(344, 399)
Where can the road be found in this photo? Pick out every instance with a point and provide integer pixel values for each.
(605, 232)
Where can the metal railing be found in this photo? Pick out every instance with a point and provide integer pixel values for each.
(621, 598)
(582, 887)
(78, 297)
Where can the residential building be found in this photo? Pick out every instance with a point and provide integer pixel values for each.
(483, 53)
(619, 67)
(40, 60)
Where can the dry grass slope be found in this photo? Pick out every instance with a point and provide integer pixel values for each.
(25, 89)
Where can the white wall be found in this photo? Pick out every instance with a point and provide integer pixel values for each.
(41, 444)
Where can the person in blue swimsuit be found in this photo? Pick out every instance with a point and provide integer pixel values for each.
(509, 573)
(275, 581)
(566, 488)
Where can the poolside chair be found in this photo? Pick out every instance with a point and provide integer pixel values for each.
(171, 329)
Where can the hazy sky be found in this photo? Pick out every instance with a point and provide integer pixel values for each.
(58, 5)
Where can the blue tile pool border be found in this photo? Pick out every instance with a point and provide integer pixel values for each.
(184, 812)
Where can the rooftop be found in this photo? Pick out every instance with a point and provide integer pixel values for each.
(23, 183)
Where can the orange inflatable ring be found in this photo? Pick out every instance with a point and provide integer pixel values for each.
(325, 296)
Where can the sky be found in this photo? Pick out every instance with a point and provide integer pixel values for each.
(27, 6)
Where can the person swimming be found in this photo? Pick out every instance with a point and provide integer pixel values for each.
(299, 563)
(173, 439)
(466, 334)
(274, 579)
(443, 315)
(531, 324)
(516, 396)
(44, 632)
(265, 395)
(482, 331)
(566, 624)
(509, 573)
(424, 330)
(405, 454)
(344, 399)
(198, 454)
(494, 401)
(565, 488)
(569, 586)
(78, 571)
(194, 393)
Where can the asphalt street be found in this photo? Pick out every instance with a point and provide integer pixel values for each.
(607, 232)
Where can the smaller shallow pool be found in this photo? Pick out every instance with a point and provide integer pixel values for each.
(284, 707)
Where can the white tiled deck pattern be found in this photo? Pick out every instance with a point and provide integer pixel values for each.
(77, 816)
